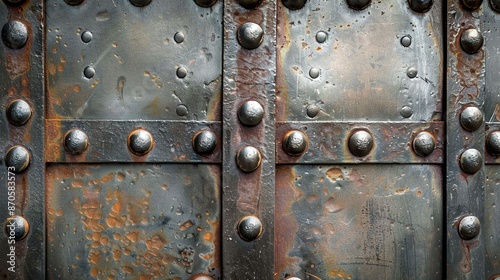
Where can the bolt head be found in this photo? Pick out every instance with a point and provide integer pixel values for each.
(471, 161)
(140, 3)
(294, 4)
(248, 159)
(358, 4)
(469, 227)
(360, 143)
(16, 226)
(420, 6)
(18, 112)
(18, 157)
(493, 143)
(249, 228)
(423, 144)
(471, 118)
(250, 35)
(75, 141)
(249, 4)
(15, 34)
(204, 142)
(294, 143)
(140, 142)
(471, 41)
(472, 4)
(251, 113)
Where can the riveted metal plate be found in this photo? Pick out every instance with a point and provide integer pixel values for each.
(491, 226)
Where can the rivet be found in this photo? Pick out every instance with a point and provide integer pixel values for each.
(140, 142)
(15, 2)
(469, 227)
(495, 5)
(294, 143)
(250, 113)
(360, 143)
(249, 228)
(204, 142)
(250, 35)
(313, 110)
(292, 278)
(472, 4)
(406, 41)
(471, 118)
(471, 161)
(205, 3)
(314, 72)
(75, 141)
(18, 112)
(179, 37)
(471, 41)
(17, 157)
(181, 110)
(411, 72)
(420, 6)
(358, 4)
(140, 3)
(493, 143)
(202, 277)
(248, 158)
(250, 4)
(181, 72)
(294, 4)
(321, 36)
(73, 2)
(424, 144)
(406, 112)
(14, 34)
(86, 36)
(89, 72)
(16, 226)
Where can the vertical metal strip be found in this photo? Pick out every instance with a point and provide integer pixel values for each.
(21, 140)
(465, 138)
(248, 196)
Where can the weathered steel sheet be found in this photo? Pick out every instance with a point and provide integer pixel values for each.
(491, 226)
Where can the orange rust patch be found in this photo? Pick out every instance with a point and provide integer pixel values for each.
(334, 174)
(186, 225)
(208, 236)
(339, 274)
(402, 191)
(107, 178)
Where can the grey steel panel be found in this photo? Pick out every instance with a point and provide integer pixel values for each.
(492, 221)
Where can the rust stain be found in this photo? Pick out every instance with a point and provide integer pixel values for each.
(338, 273)
(334, 174)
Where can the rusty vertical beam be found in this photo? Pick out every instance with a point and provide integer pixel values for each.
(248, 130)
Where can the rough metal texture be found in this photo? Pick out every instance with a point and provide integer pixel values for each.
(490, 228)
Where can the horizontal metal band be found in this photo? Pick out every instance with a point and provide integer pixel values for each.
(327, 142)
(108, 141)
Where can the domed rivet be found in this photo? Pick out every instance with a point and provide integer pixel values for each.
(181, 110)
(312, 110)
(495, 5)
(420, 6)
(321, 37)
(248, 158)
(294, 143)
(17, 227)
(140, 142)
(292, 278)
(179, 37)
(471, 118)
(358, 4)
(294, 4)
(493, 143)
(86, 36)
(73, 2)
(202, 277)
(469, 227)
(18, 112)
(471, 161)
(204, 142)
(250, 35)
(251, 113)
(314, 72)
(205, 3)
(424, 144)
(249, 228)
(249, 4)
(411, 72)
(89, 72)
(181, 72)
(360, 143)
(406, 41)
(472, 4)
(140, 3)
(15, 2)
(14, 34)
(471, 41)
(406, 112)
(17, 157)
(75, 141)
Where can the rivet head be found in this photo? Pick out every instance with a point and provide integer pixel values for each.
(469, 227)
(248, 159)
(202, 277)
(140, 3)
(179, 37)
(314, 72)
(89, 72)
(294, 143)
(292, 278)
(140, 142)
(14, 34)
(358, 4)
(424, 144)
(294, 4)
(15, 2)
(204, 142)
(181, 72)
(472, 4)
(75, 141)
(412, 72)
(18, 112)
(73, 2)
(249, 4)
(471, 41)
(471, 161)
(406, 112)
(205, 3)
(86, 36)
(181, 110)
(251, 113)
(471, 118)
(249, 228)
(17, 227)
(312, 110)
(321, 37)
(250, 35)
(495, 5)
(420, 6)
(406, 41)
(17, 157)
(360, 143)
(493, 143)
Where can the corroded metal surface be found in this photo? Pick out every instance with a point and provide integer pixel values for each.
(491, 222)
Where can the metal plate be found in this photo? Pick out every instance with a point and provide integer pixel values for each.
(491, 226)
